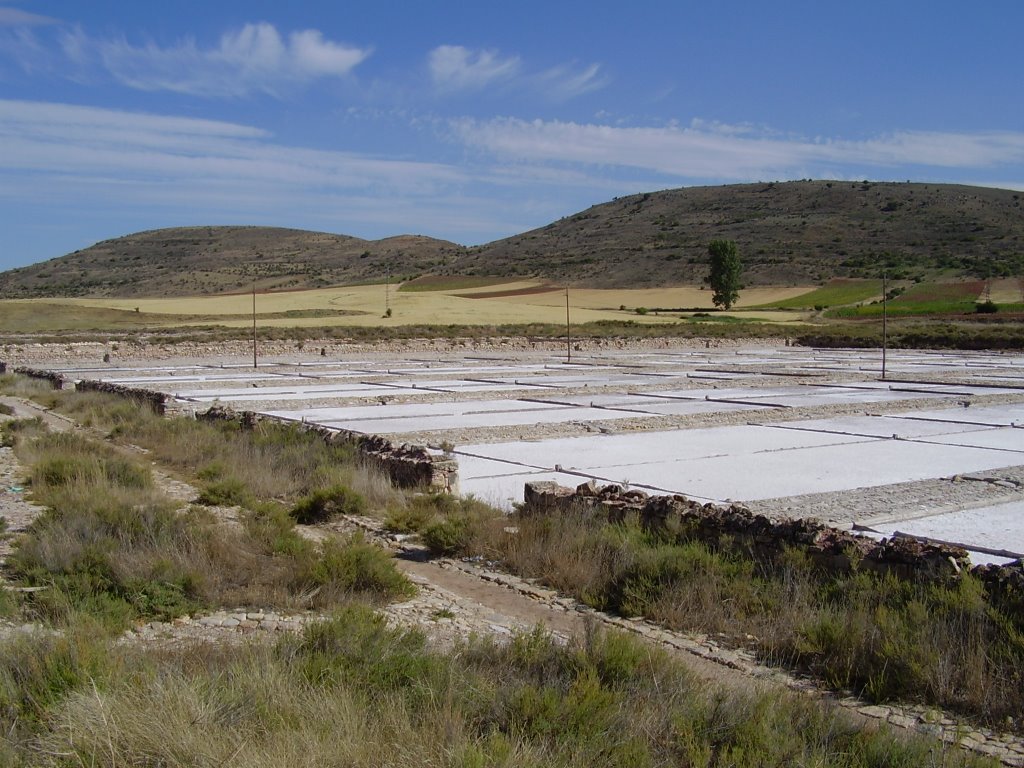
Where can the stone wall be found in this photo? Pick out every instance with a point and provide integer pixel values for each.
(155, 400)
(408, 466)
(737, 527)
(57, 380)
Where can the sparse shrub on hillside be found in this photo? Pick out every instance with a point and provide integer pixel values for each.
(320, 506)
(229, 492)
(356, 567)
(15, 429)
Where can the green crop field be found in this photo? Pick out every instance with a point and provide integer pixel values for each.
(835, 293)
(925, 299)
(453, 283)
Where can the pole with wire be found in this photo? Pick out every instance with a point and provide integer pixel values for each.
(885, 320)
(254, 364)
(568, 335)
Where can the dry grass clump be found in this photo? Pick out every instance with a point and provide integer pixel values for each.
(353, 691)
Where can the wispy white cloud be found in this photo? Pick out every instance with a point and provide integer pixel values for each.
(453, 67)
(716, 151)
(186, 156)
(456, 68)
(255, 58)
(568, 81)
(15, 17)
(116, 167)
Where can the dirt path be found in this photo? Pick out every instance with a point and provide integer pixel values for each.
(15, 509)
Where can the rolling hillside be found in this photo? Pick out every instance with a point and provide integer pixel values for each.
(191, 261)
(788, 233)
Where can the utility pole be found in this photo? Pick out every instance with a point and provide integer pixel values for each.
(254, 365)
(387, 291)
(885, 319)
(568, 335)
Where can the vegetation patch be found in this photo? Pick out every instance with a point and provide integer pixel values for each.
(883, 638)
(320, 506)
(923, 299)
(356, 690)
(111, 546)
(835, 293)
(450, 283)
(527, 291)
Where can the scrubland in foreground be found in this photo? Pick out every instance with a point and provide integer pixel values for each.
(112, 549)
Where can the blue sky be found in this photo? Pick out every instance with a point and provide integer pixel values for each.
(473, 121)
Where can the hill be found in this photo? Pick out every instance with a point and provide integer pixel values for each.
(190, 261)
(787, 233)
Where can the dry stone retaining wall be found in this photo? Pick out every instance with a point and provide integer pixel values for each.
(736, 526)
(408, 466)
(57, 380)
(155, 400)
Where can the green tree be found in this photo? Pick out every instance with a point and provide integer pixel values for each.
(725, 273)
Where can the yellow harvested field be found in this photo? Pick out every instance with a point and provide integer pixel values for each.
(681, 296)
(365, 305)
(1009, 290)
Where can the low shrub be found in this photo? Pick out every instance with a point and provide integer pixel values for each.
(355, 566)
(320, 506)
(41, 669)
(448, 536)
(229, 492)
(412, 517)
(15, 429)
(450, 524)
(63, 460)
(118, 562)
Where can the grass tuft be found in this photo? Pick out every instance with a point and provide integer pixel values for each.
(321, 505)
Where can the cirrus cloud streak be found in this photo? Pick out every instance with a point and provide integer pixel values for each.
(698, 152)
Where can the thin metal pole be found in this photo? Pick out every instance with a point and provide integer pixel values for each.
(885, 321)
(254, 324)
(568, 336)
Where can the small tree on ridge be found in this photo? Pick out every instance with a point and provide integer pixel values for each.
(725, 273)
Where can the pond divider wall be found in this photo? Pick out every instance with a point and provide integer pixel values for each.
(408, 466)
(737, 528)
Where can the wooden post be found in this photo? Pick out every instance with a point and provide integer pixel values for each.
(885, 319)
(568, 336)
(254, 364)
